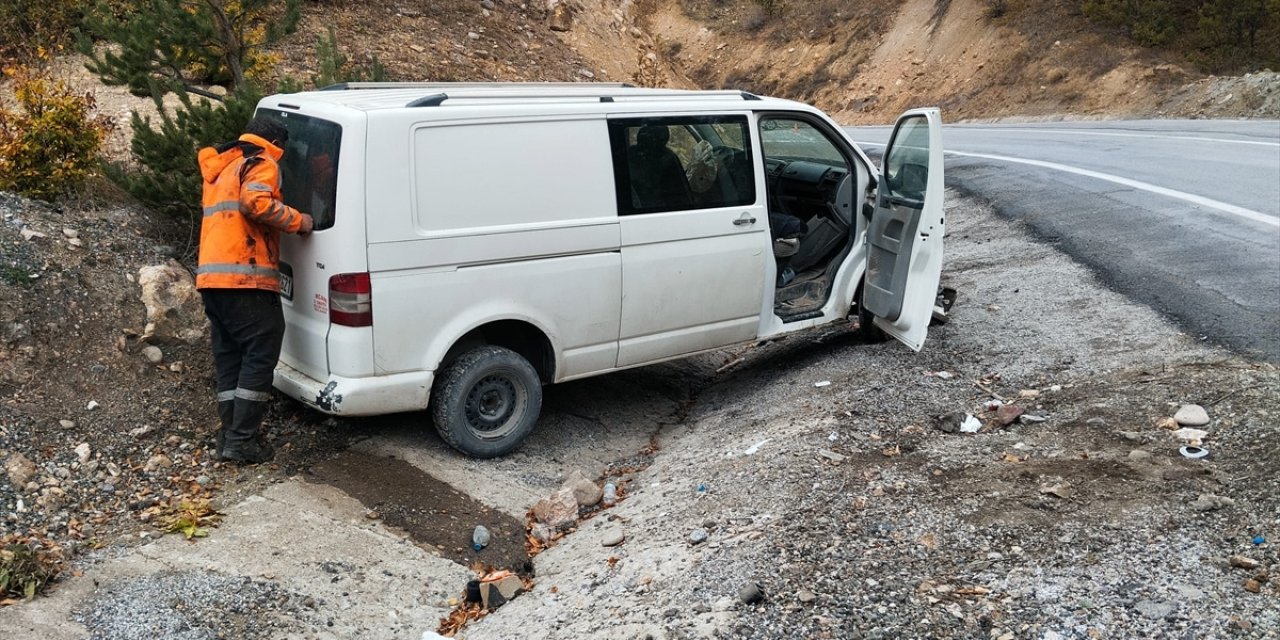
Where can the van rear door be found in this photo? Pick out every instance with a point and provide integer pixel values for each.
(904, 240)
(314, 181)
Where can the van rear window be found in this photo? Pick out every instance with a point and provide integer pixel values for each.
(309, 168)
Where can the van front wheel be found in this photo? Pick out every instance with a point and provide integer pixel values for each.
(486, 402)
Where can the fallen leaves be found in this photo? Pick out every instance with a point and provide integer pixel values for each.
(192, 518)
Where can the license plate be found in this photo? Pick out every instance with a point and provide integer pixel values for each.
(286, 287)
(286, 281)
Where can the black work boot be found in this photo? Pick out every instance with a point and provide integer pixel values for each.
(241, 444)
(226, 413)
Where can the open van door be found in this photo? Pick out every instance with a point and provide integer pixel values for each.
(904, 239)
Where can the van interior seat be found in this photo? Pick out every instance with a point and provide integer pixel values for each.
(657, 175)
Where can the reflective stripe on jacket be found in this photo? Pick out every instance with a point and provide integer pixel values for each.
(243, 216)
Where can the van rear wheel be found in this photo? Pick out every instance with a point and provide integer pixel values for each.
(487, 401)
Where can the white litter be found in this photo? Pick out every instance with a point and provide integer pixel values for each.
(970, 424)
(753, 449)
(824, 383)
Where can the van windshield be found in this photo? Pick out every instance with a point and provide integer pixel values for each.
(309, 168)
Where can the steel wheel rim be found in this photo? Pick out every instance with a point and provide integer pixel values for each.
(493, 406)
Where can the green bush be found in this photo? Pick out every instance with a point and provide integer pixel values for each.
(50, 144)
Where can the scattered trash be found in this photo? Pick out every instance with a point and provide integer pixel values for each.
(833, 437)
(945, 375)
(1062, 490)
(702, 488)
(831, 455)
(1028, 393)
(480, 537)
(1193, 436)
(755, 448)
(992, 405)
(1257, 540)
(823, 383)
(1194, 453)
(610, 494)
(970, 424)
(1167, 423)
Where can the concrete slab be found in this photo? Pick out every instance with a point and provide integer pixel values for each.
(311, 540)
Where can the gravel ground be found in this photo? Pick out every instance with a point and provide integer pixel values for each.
(194, 606)
(1089, 524)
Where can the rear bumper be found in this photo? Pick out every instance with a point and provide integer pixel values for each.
(374, 395)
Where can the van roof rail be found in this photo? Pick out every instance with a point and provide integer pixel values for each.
(438, 99)
(349, 86)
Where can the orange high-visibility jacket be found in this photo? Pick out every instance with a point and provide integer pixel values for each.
(243, 216)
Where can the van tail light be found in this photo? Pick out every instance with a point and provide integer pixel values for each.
(351, 300)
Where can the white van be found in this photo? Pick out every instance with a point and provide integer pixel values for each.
(474, 242)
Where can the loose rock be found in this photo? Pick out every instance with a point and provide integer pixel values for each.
(153, 354)
(751, 593)
(612, 537)
(1210, 502)
(558, 511)
(1191, 415)
(698, 536)
(20, 469)
(585, 492)
(83, 451)
(1243, 562)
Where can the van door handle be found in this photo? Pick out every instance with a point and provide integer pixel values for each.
(744, 220)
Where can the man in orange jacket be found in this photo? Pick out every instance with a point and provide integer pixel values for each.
(239, 280)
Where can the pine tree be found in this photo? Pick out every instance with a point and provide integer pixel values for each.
(166, 46)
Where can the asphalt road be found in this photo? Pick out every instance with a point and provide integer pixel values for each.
(1182, 215)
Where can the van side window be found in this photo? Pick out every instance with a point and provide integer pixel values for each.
(681, 163)
(309, 167)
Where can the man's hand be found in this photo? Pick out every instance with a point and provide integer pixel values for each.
(307, 225)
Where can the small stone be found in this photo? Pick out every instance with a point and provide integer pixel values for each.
(1252, 586)
(177, 367)
(698, 536)
(750, 593)
(613, 537)
(75, 242)
(806, 596)
(67, 424)
(30, 234)
(158, 462)
(1240, 623)
(107, 488)
(1210, 502)
(1191, 415)
(558, 511)
(1138, 455)
(586, 73)
(585, 492)
(93, 404)
(203, 480)
(20, 469)
(153, 354)
(417, 48)
(1167, 423)
(1243, 562)
(83, 451)
(473, 35)
(70, 233)
(1062, 490)
(1035, 417)
(1008, 413)
(141, 431)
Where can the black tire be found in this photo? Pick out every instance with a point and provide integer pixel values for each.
(487, 401)
(866, 322)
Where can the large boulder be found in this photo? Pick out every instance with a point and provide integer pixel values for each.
(175, 312)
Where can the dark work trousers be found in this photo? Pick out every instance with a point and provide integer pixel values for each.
(248, 329)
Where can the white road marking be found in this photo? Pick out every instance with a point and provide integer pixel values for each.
(1128, 135)
(1248, 214)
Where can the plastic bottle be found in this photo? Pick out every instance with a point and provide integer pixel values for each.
(480, 538)
(610, 494)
